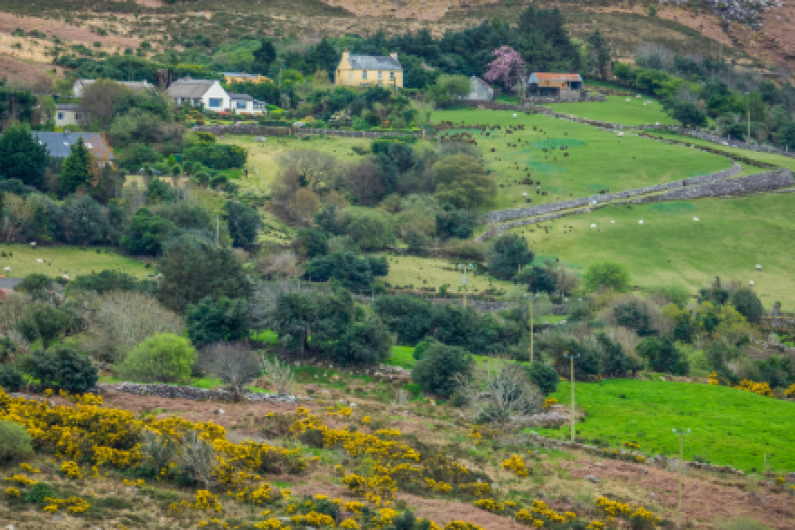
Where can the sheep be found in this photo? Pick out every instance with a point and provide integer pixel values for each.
(39, 260)
(758, 267)
(65, 276)
(32, 243)
(612, 222)
(593, 226)
(7, 269)
(751, 282)
(695, 218)
(628, 100)
(640, 222)
(621, 134)
(514, 115)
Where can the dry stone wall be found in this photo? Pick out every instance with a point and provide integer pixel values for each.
(262, 130)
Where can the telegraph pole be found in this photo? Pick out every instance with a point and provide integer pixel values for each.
(571, 358)
(681, 433)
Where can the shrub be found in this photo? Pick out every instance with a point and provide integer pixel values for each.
(365, 342)
(509, 253)
(11, 379)
(747, 303)
(544, 377)
(232, 362)
(164, 357)
(15, 442)
(663, 356)
(62, 368)
(39, 492)
(407, 316)
(211, 321)
(608, 274)
(440, 367)
(43, 321)
(634, 315)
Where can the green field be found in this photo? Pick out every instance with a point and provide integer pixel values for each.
(728, 426)
(598, 160)
(730, 238)
(73, 261)
(406, 271)
(616, 109)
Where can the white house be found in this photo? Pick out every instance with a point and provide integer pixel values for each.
(136, 86)
(199, 92)
(67, 115)
(245, 104)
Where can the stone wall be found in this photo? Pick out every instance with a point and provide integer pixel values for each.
(261, 130)
(497, 216)
(189, 392)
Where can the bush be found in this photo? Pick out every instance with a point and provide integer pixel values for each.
(15, 442)
(11, 379)
(440, 367)
(663, 356)
(407, 316)
(608, 274)
(747, 303)
(39, 492)
(42, 321)
(164, 357)
(509, 253)
(367, 342)
(544, 377)
(62, 368)
(211, 321)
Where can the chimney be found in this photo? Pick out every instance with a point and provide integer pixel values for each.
(345, 54)
(393, 55)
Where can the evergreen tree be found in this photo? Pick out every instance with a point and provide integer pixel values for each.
(22, 157)
(263, 57)
(599, 53)
(76, 171)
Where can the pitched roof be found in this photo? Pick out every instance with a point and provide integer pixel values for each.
(370, 62)
(241, 74)
(66, 106)
(239, 97)
(189, 88)
(545, 76)
(478, 80)
(133, 85)
(59, 144)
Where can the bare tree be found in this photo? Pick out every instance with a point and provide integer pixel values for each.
(12, 310)
(198, 458)
(315, 169)
(232, 362)
(279, 265)
(122, 320)
(278, 374)
(499, 391)
(262, 302)
(303, 204)
(364, 180)
(99, 99)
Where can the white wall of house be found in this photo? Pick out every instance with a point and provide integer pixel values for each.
(66, 118)
(216, 98)
(242, 106)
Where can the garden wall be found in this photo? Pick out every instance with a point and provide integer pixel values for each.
(542, 209)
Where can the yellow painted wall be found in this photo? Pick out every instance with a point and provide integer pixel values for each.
(229, 79)
(346, 76)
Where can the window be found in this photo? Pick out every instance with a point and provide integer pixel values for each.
(78, 116)
(379, 76)
(215, 103)
(241, 105)
(364, 74)
(60, 115)
(392, 76)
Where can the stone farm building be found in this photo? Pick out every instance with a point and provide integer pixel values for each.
(566, 87)
(367, 70)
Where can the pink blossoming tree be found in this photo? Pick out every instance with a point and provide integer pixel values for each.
(508, 69)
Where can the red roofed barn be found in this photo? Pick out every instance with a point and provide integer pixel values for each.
(565, 87)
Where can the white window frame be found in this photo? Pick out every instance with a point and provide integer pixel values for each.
(219, 101)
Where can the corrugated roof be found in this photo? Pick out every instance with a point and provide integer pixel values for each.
(545, 76)
(370, 62)
(189, 88)
(60, 144)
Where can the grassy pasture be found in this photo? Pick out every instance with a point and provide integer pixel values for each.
(606, 161)
(730, 238)
(67, 260)
(616, 109)
(431, 272)
(728, 426)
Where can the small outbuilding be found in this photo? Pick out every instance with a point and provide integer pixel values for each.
(479, 90)
(566, 87)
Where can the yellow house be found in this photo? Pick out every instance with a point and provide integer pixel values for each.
(367, 70)
(231, 78)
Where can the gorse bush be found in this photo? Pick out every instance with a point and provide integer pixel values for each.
(15, 442)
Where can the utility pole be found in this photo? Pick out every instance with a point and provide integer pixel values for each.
(217, 229)
(571, 358)
(748, 114)
(531, 297)
(681, 433)
(464, 280)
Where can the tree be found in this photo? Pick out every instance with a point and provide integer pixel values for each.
(608, 274)
(369, 228)
(77, 169)
(365, 342)
(449, 88)
(409, 317)
(22, 157)
(498, 391)
(453, 222)
(688, 113)
(146, 233)
(311, 321)
(748, 305)
(194, 268)
(352, 271)
(544, 377)
(62, 368)
(234, 363)
(635, 315)
(121, 320)
(509, 253)
(244, 224)
(508, 68)
(83, 220)
(615, 362)
(364, 180)
(212, 321)
(599, 54)
(663, 356)
(263, 57)
(164, 358)
(441, 368)
(43, 321)
(537, 279)
(463, 182)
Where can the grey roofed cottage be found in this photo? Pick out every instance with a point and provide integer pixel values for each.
(59, 145)
(374, 62)
(135, 86)
(197, 92)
